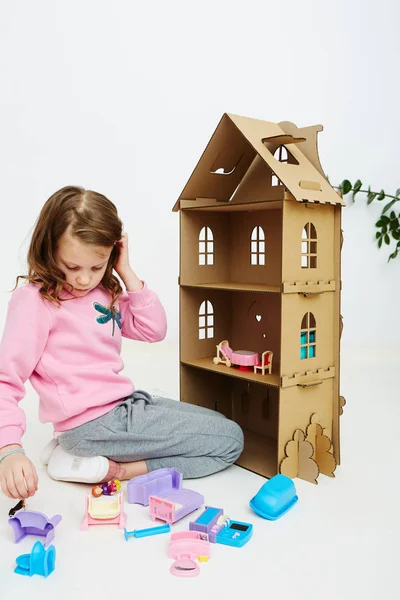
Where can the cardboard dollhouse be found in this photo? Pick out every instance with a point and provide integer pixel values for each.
(260, 245)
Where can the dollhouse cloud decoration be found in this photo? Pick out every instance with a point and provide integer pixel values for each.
(260, 324)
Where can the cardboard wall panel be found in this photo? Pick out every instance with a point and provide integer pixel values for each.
(192, 222)
(338, 324)
(192, 346)
(297, 405)
(242, 226)
(256, 185)
(256, 321)
(295, 217)
(256, 408)
(204, 388)
(294, 308)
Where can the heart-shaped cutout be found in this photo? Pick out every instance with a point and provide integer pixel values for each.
(258, 318)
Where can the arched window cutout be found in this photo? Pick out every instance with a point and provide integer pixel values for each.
(309, 247)
(206, 246)
(308, 336)
(283, 155)
(206, 320)
(257, 246)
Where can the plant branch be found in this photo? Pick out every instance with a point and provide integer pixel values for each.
(388, 227)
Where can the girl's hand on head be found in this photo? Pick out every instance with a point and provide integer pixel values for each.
(122, 265)
(18, 477)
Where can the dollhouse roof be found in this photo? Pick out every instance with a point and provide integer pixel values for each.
(241, 153)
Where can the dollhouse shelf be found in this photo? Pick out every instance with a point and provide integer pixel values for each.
(237, 287)
(259, 454)
(207, 364)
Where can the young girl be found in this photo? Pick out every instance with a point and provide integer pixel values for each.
(63, 333)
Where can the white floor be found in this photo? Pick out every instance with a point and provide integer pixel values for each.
(340, 541)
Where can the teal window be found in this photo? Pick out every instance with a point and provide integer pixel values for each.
(308, 337)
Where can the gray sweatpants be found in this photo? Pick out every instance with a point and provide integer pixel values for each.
(163, 432)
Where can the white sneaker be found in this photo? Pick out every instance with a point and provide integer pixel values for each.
(68, 467)
(48, 451)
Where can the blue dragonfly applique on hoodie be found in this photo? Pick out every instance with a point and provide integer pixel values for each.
(108, 314)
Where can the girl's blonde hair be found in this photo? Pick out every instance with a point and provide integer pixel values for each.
(92, 219)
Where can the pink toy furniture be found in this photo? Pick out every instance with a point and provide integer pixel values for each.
(105, 510)
(175, 505)
(229, 357)
(185, 547)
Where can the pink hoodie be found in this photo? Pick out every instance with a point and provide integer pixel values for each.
(71, 355)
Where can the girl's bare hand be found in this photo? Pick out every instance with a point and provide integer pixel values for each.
(18, 476)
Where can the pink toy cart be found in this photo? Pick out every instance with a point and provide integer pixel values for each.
(105, 510)
(245, 359)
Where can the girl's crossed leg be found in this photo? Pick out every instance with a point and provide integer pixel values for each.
(145, 433)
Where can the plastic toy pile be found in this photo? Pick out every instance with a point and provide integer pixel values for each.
(162, 492)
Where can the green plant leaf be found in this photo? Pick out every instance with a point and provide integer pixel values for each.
(385, 219)
(378, 235)
(380, 242)
(396, 235)
(356, 188)
(384, 229)
(389, 206)
(387, 239)
(345, 186)
(397, 194)
(381, 195)
(370, 195)
(379, 223)
(395, 253)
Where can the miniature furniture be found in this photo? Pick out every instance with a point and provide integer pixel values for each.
(224, 354)
(266, 363)
(175, 505)
(220, 529)
(156, 483)
(274, 498)
(162, 490)
(105, 510)
(185, 547)
(229, 357)
(30, 522)
(260, 254)
(209, 522)
(38, 562)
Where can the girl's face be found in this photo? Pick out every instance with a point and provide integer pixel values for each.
(82, 264)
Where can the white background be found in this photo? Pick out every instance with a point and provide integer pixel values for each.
(122, 97)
